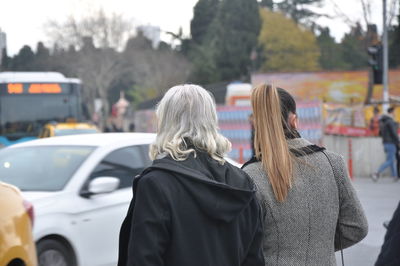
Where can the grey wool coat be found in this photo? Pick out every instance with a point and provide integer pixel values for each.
(302, 230)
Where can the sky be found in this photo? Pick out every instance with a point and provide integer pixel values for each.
(24, 20)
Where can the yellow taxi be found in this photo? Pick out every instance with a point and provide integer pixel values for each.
(17, 247)
(67, 128)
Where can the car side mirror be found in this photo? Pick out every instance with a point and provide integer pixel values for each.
(101, 185)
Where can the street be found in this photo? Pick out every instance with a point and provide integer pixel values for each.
(379, 201)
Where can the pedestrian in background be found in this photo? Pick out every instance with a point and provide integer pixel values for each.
(374, 122)
(388, 131)
(191, 207)
(310, 208)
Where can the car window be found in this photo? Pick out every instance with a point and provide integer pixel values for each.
(64, 132)
(41, 168)
(44, 133)
(123, 164)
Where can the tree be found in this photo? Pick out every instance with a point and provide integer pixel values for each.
(98, 68)
(96, 38)
(286, 46)
(301, 11)
(42, 61)
(331, 54)
(268, 4)
(203, 15)
(204, 68)
(233, 38)
(394, 44)
(199, 48)
(152, 71)
(107, 31)
(5, 60)
(23, 61)
(354, 48)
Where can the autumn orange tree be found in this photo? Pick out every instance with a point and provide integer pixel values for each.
(285, 45)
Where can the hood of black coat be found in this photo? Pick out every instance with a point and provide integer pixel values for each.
(220, 191)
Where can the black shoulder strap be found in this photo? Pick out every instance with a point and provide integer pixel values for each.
(306, 150)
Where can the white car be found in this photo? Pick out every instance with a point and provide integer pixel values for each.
(80, 187)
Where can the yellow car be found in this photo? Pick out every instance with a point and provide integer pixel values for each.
(17, 247)
(63, 129)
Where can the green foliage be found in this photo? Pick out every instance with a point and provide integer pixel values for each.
(267, 3)
(234, 35)
(150, 72)
(394, 44)
(286, 46)
(299, 10)
(331, 53)
(41, 58)
(222, 41)
(5, 61)
(23, 61)
(354, 47)
(203, 15)
(204, 68)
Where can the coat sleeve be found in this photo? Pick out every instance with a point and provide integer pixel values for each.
(255, 255)
(352, 223)
(149, 235)
(392, 127)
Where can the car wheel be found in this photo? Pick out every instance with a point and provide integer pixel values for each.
(54, 253)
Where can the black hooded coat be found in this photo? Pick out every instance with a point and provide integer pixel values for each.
(388, 130)
(192, 213)
(390, 250)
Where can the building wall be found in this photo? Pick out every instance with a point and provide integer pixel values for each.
(367, 153)
(333, 86)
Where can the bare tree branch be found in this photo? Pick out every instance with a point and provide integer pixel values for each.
(366, 7)
(339, 13)
(106, 30)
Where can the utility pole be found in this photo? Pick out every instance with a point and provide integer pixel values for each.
(385, 61)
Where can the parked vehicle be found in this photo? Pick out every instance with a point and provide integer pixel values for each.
(69, 128)
(17, 247)
(80, 186)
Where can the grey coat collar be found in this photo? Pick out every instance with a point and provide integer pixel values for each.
(298, 143)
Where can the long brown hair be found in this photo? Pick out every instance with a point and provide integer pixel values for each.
(271, 108)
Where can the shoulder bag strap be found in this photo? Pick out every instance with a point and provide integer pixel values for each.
(338, 187)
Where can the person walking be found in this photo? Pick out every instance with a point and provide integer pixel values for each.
(374, 122)
(390, 138)
(191, 207)
(309, 206)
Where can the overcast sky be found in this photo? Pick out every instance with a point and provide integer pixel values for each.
(24, 20)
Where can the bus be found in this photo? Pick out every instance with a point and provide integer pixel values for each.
(29, 100)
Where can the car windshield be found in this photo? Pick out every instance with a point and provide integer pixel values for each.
(41, 168)
(64, 132)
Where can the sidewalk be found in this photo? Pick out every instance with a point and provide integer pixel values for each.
(379, 201)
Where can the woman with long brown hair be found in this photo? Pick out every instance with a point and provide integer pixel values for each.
(310, 209)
